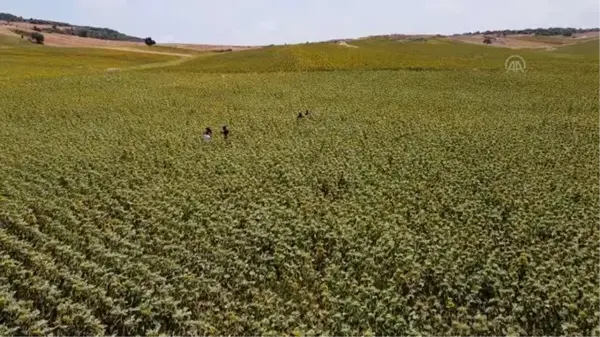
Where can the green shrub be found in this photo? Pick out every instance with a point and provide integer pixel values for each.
(149, 41)
(37, 38)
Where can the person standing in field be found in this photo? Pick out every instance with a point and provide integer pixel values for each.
(207, 134)
(225, 132)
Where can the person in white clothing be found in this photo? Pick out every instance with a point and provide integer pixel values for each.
(207, 134)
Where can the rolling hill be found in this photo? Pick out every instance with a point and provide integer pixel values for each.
(589, 49)
(62, 34)
(22, 59)
(48, 26)
(436, 54)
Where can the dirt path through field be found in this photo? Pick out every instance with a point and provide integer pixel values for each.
(171, 63)
(146, 51)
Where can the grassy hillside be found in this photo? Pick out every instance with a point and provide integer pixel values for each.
(552, 40)
(9, 41)
(452, 202)
(372, 54)
(589, 49)
(22, 59)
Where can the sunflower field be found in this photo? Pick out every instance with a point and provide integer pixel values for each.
(444, 200)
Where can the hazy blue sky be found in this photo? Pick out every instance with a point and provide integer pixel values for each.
(292, 21)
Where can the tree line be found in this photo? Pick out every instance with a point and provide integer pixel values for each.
(553, 31)
(13, 18)
(68, 29)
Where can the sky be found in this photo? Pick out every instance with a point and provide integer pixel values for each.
(262, 22)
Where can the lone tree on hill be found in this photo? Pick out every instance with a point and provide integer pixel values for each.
(37, 38)
(149, 41)
(487, 40)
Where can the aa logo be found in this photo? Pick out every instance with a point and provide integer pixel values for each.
(515, 64)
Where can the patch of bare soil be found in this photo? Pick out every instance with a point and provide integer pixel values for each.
(208, 47)
(5, 31)
(64, 40)
(521, 41)
(588, 35)
(506, 42)
(399, 37)
(61, 40)
(26, 25)
(147, 51)
(343, 43)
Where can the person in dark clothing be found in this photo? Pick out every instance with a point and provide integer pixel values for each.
(307, 113)
(207, 134)
(225, 132)
(300, 116)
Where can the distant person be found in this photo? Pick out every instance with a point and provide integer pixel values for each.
(225, 132)
(300, 116)
(207, 134)
(307, 113)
